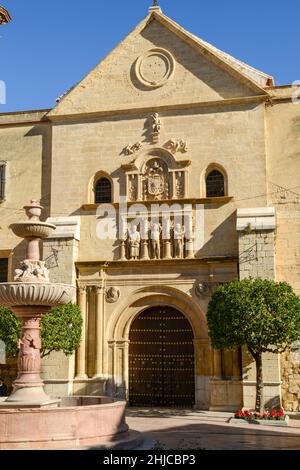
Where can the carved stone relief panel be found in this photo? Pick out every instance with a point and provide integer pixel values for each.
(156, 181)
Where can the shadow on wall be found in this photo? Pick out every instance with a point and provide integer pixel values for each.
(45, 132)
(223, 240)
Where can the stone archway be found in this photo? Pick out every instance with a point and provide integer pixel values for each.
(118, 338)
(161, 359)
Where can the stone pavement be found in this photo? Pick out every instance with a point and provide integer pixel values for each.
(195, 429)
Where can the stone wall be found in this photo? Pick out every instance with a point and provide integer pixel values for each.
(290, 375)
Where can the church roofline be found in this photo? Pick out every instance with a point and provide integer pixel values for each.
(234, 66)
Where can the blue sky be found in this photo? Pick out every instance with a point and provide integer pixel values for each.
(52, 44)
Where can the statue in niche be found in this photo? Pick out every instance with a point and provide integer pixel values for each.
(179, 233)
(155, 240)
(156, 124)
(134, 242)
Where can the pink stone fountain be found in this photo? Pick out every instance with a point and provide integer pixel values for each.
(30, 297)
(29, 419)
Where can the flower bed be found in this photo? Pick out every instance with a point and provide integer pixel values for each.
(268, 418)
(272, 415)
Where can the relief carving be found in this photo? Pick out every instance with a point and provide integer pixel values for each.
(177, 146)
(156, 185)
(156, 127)
(132, 149)
(32, 271)
(112, 295)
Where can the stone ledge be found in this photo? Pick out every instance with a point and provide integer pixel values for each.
(254, 219)
(261, 422)
(66, 227)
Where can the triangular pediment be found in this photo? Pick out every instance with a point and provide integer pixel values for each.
(161, 64)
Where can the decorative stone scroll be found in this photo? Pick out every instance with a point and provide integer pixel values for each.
(177, 145)
(132, 149)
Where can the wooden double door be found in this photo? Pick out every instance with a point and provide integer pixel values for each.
(161, 359)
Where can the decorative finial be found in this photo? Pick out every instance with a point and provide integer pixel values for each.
(155, 3)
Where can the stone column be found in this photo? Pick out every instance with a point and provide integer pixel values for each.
(99, 290)
(81, 353)
(166, 236)
(144, 241)
(122, 250)
(188, 224)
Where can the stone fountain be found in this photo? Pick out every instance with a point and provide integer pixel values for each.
(29, 419)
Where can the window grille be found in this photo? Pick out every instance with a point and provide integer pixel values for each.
(103, 191)
(2, 180)
(215, 184)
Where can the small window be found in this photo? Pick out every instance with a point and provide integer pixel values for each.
(215, 184)
(2, 180)
(3, 269)
(103, 191)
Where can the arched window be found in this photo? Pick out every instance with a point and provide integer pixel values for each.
(215, 184)
(103, 191)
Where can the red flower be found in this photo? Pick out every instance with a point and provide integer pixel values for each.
(273, 413)
(280, 413)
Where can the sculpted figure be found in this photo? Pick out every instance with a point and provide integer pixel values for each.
(29, 349)
(155, 240)
(178, 241)
(156, 123)
(134, 241)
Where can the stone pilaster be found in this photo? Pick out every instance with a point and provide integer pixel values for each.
(60, 253)
(256, 230)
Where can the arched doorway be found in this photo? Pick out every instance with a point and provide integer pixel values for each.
(161, 359)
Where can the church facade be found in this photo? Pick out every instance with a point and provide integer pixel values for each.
(169, 169)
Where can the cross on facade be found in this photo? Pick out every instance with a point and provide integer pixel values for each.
(155, 3)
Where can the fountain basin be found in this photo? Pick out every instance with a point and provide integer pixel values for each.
(32, 229)
(16, 294)
(77, 422)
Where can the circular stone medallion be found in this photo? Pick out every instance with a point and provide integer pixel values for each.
(155, 68)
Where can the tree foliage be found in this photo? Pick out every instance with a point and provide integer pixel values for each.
(60, 330)
(10, 329)
(261, 314)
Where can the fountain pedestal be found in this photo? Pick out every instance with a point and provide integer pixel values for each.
(28, 387)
